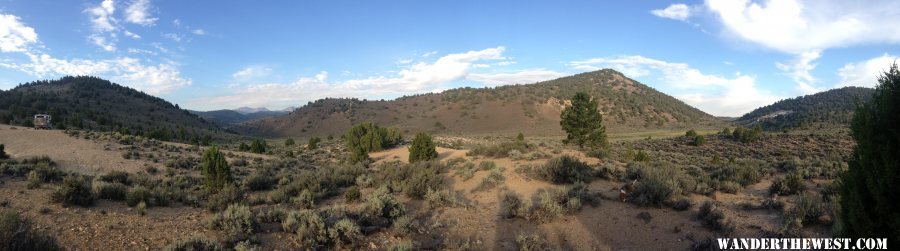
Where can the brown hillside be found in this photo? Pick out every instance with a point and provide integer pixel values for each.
(532, 109)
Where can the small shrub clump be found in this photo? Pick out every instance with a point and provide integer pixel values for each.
(194, 244)
(75, 190)
(308, 225)
(511, 205)
(714, 218)
(17, 233)
(565, 169)
(791, 183)
(237, 221)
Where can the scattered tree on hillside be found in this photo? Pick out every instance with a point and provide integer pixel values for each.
(699, 140)
(870, 186)
(583, 122)
(691, 133)
(289, 142)
(422, 148)
(215, 170)
(520, 137)
(244, 147)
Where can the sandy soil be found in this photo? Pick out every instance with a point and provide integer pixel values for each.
(69, 153)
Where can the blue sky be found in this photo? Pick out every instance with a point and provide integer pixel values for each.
(724, 57)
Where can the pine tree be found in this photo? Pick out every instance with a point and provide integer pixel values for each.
(215, 170)
(422, 148)
(870, 191)
(289, 142)
(583, 123)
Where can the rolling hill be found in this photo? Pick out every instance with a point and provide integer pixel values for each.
(95, 104)
(829, 108)
(533, 109)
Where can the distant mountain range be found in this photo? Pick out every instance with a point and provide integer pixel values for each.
(829, 108)
(533, 109)
(228, 118)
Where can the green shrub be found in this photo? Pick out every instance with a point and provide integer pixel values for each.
(791, 183)
(313, 143)
(403, 225)
(511, 205)
(42, 173)
(215, 170)
(289, 142)
(237, 221)
(413, 179)
(493, 179)
(565, 169)
(422, 148)
(657, 182)
(487, 165)
(259, 181)
(345, 232)
(747, 135)
(17, 233)
(308, 225)
(682, 204)
(714, 218)
(809, 207)
(3, 154)
(109, 191)
(403, 245)
(691, 133)
(367, 137)
(381, 204)
(137, 195)
(230, 194)
(441, 198)
(196, 243)
(500, 150)
(698, 140)
(352, 194)
(547, 208)
(75, 190)
(526, 242)
(258, 146)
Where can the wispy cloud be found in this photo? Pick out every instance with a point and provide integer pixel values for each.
(714, 94)
(677, 11)
(138, 12)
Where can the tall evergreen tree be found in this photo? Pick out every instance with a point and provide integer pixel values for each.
(583, 123)
(870, 195)
(215, 170)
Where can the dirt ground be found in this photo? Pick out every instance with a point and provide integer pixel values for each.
(611, 225)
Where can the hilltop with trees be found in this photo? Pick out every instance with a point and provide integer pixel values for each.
(825, 109)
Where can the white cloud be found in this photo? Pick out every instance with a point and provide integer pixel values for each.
(251, 73)
(199, 32)
(102, 16)
(519, 77)
(415, 78)
(505, 63)
(807, 28)
(713, 94)
(799, 70)
(139, 13)
(131, 35)
(141, 51)
(677, 11)
(865, 73)
(798, 27)
(428, 54)
(14, 35)
(102, 42)
(173, 37)
(153, 79)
